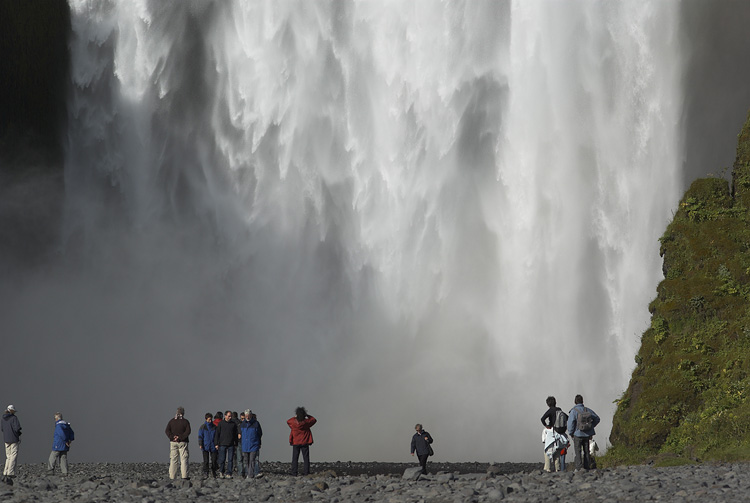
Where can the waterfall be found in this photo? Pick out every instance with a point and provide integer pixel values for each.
(389, 212)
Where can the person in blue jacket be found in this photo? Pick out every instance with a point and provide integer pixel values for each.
(60, 445)
(207, 444)
(581, 423)
(251, 433)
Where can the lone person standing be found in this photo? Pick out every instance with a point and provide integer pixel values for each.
(300, 438)
(178, 431)
(420, 443)
(581, 423)
(11, 428)
(60, 444)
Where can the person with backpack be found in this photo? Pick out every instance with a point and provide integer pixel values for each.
(581, 424)
(557, 420)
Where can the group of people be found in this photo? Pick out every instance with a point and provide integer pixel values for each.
(61, 439)
(224, 438)
(560, 427)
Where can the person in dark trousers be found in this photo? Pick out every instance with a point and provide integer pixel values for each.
(420, 443)
(251, 433)
(238, 456)
(178, 431)
(61, 440)
(548, 420)
(238, 422)
(300, 438)
(581, 423)
(225, 437)
(207, 445)
(11, 429)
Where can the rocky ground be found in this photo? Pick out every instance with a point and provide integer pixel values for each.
(386, 482)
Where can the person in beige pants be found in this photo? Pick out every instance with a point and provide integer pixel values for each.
(178, 431)
(11, 429)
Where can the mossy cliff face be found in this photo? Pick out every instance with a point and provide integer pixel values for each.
(688, 394)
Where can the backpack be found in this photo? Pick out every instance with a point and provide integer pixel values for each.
(585, 420)
(561, 421)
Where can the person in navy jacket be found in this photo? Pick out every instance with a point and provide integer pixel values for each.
(60, 445)
(11, 428)
(207, 445)
(420, 443)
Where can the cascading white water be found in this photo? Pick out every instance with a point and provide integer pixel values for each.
(390, 212)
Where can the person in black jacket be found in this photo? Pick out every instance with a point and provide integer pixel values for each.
(548, 420)
(226, 435)
(420, 443)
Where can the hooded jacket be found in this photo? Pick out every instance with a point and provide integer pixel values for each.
(251, 433)
(206, 436)
(63, 436)
(11, 427)
(301, 434)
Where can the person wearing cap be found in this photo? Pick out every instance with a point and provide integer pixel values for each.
(178, 431)
(250, 432)
(60, 444)
(11, 428)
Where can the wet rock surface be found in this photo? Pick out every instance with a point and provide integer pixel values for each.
(346, 481)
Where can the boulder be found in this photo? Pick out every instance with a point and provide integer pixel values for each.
(412, 473)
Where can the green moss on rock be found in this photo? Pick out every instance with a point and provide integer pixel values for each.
(688, 394)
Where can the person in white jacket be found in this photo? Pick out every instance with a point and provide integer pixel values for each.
(553, 444)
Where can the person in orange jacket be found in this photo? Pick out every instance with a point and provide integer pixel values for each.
(300, 438)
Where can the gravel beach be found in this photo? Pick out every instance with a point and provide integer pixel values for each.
(386, 482)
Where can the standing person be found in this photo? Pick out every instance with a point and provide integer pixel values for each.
(420, 443)
(178, 431)
(581, 423)
(238, 448)
(11, 429)
(61, 440)
(237, 422)
(555, 419)
(225, 437)
(300, 438)
(218, 417)
(207, 445)
(251, 433)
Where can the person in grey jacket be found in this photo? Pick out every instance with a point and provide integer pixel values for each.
(581, 423)
(11, 428)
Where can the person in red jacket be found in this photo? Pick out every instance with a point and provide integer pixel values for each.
(300, 438)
